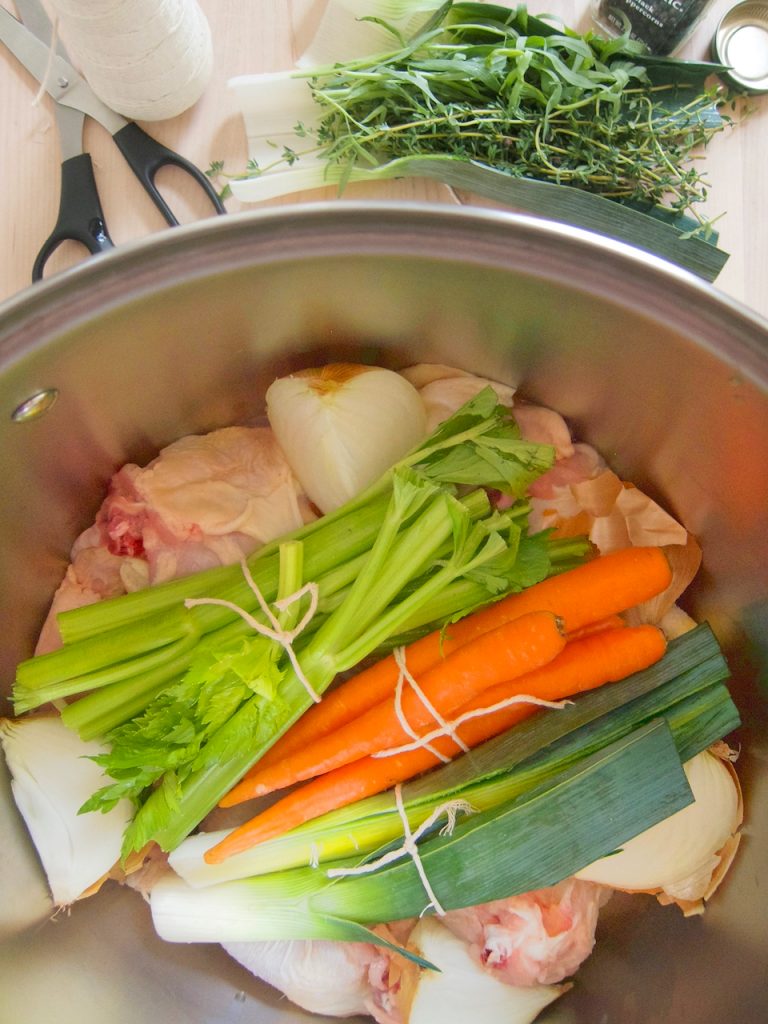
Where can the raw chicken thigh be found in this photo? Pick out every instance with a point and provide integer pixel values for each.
(206, 500)
(318, 975)
(444, 389)
(537, 938)
(532, 940)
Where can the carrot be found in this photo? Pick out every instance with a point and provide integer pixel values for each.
(583, 664)
(609, 622)
(591, 592)
(503, 653)
(606, 656)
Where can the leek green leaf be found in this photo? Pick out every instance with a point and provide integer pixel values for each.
(532, 841)
(526, 843)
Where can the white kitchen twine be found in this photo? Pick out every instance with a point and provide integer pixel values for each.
(274, 631)
(410, 848)
(146, 59)
(445, 727)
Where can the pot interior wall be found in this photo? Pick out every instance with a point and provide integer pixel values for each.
(667, 380)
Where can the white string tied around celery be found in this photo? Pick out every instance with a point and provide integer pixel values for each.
(275, 632)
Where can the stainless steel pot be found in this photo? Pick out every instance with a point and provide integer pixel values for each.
(668, 378)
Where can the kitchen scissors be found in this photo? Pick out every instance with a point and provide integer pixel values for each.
(80, 217)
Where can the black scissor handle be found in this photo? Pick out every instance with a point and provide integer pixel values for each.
(81, 218)
(145, 156)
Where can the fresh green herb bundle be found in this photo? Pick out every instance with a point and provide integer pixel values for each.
(593, 132)
(482, 83)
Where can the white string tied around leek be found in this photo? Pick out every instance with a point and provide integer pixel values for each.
(410, 848)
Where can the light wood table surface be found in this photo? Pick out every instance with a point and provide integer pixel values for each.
(266, 35)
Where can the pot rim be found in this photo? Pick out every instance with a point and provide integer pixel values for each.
(583, 259)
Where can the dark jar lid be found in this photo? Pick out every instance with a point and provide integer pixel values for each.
(741, 42)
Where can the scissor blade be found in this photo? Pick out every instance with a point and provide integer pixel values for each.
(68, 121)
(26, 47)
(33, 53)
(58, 77)
(34, 16)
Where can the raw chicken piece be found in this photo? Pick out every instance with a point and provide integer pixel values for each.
(206, 500)
(538, 938)
(583, 463)
(318, 975)
(444, 389)
(544, 426)
(93, 575)
(340, 979)
(385, 973)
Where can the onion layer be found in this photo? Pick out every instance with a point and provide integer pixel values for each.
(52, 777)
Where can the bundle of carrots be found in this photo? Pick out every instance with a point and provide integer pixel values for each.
(558, 638)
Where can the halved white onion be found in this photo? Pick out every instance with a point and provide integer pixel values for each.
(342, 425)
(461, 990)
(51, 778)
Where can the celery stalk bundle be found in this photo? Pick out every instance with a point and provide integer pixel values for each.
(189, 697)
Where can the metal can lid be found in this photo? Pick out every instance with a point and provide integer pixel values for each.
(741, 42)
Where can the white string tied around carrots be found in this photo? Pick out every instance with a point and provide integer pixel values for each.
(445, 727)
(404, 675)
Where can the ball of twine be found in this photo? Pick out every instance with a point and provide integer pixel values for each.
(146, 59)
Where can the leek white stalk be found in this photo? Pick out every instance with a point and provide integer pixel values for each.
(679, 854)
(288, 160)
(252, 910)
(272, 105)
(341, 427)
(461, 990)
(52, 776)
